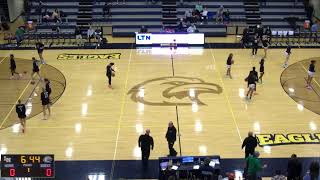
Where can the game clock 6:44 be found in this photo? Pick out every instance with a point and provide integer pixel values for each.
(27, 165)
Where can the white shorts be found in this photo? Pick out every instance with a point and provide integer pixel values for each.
(252, 86)
(311, 74)
(228, 66)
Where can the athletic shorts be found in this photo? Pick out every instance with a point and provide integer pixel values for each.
(252, 86)
(311, 74)
(22, 116)
(228, 66)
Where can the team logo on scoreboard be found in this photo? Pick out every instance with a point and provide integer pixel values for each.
(172, 91)
(282, 139)
(47, 159)
(89, 56)
(6, 159)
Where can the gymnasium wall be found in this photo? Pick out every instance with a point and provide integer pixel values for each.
(15, 8)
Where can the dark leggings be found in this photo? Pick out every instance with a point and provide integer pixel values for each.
(109, 79)
(254, 50)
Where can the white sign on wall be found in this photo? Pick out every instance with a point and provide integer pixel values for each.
(148, 38)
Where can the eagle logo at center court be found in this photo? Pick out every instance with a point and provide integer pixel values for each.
(178, 90)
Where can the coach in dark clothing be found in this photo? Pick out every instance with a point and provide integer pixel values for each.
(250, 143)
(145, 143)
(171, 138)
(294, 168)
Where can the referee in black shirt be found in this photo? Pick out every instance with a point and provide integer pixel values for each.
(145, 143)
(21, 111)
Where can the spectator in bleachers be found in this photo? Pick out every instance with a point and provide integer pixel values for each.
(219, 15)
(268, 33)
(192, 28)
(314, 32)
(204, 17)
(259, 32)
(313, 173)
(143, 29)
(188, 15)
(78, 35)
(226, 15)
(123, 2)
(181, 26)
(46, 16)
(294, 168)
(19, 34)
(245, 37)
(278, 176)
(90, 34)
(56, 16)
(198, 8)
(206, 170)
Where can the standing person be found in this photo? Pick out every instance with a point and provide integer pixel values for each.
(261, 70)
(250, 143)
(45, 100)
(47, 86)
(145, 143)
(229, 63)
(110, 73)
(251, 84)
(313, 173)
(311, 72)
(255, 43)
(287, 53)
(40, 48)
(253, 166)
(171, 138)
(294, 168)
(35, 69)
(255, 75)
(13, 67)
(78, 35)
(265, 45)
(21, 111)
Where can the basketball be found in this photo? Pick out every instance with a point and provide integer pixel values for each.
(113, 74)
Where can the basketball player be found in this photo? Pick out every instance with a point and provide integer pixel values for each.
(311, 72)
(110, 73)
(229, 63)
(287, 53)
(265, 45)
(47, 85)
(261, 70)
(21, 111)
(255, 46)
(35, 69)
(13, 67)
(45, 100)
(40, 48)
(251, 84)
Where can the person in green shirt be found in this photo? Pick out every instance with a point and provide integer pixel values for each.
(199, 8)
(19, 34)
(253, 166)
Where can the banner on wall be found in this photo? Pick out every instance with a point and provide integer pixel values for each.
(287, 139)
(185, 38)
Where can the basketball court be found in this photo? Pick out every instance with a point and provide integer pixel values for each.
(188, 86)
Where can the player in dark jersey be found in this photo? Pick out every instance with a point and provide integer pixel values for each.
(251, 84)
(261, 70)
(229, 63)
(110, 72)
(255, 45)
(40, 48)
(47, 85)
(265, 45)
(287, 54)
(45, 100)
(311, 72)
(21, 111)
(13, 67)
(35, 69)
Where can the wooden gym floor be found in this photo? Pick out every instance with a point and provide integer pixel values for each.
(151, 88)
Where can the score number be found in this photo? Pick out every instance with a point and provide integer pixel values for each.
(12, 172)
(34, 159)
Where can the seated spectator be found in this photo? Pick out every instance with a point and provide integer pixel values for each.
(143, 29)
(46, 16)
(98, 35)
(226, 15)
(278, 176)
(188, 15)
(90, 34)
(198, 8)
(56, 16)
(313, 173)
(204, 15)
(314, 32)
(19, 34)
(192, 29)
(181, 26)
(169, 173)
(219, 15)
(206, 170)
